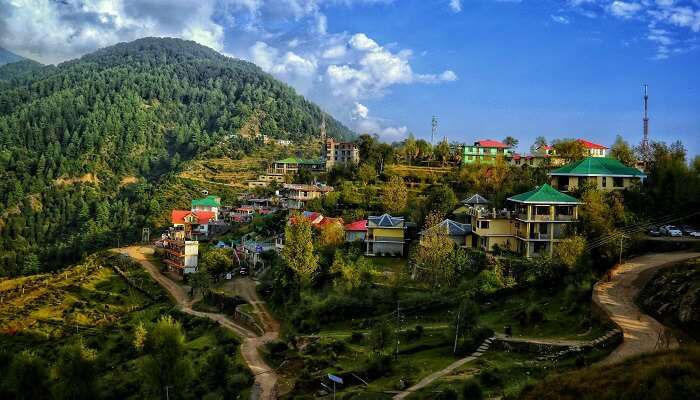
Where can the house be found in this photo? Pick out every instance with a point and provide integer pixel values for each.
(543, 217)
(476, 200)
(265, 180)
(181, 256)
(456, 231)
(292, 165)
(340, 153)
(356, 231)
(210, 203)
(535, 221)
(606, 173)
(485, 151)
(385, 235)
(299, 194)
(594, 149)
(191, 224)
(317, 220)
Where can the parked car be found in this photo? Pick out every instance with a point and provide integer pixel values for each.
(243, 271)
(654, 231)
(670, 230)
(695, 234)
(687, 229)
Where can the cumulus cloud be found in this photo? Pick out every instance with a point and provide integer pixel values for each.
(456, 5)
(624, 9)
(360, 111)
(67, 29)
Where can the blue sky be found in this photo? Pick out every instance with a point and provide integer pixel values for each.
(486, 68)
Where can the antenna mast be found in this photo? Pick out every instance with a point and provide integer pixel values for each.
(434, 125)
(645, 139)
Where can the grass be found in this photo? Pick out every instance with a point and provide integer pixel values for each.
(92, 303)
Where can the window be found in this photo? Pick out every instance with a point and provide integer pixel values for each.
(605, 181)
(618, 182)
(484, 224)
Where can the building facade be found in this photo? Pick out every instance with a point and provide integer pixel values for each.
(594, 149)
(485, 151)
(292, 165)
(191, 225)
(210, 203)
(606, 174)
(356, 231)
(385, 235)
(298, 194)
(181, 256)
(340, 154)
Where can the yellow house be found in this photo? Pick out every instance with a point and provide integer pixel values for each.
(532, 225)
(606, 173)
(385, 235)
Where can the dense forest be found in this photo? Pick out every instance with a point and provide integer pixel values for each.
(71, 134)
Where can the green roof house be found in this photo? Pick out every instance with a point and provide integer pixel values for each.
(210, 203)
(605, 173)
(292, 165)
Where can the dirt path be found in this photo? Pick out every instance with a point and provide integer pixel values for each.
(265, 377)
(616, 298)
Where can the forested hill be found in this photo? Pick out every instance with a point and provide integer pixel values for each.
(7, 56)
(70, 134)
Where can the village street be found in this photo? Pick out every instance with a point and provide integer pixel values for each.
(265, 378)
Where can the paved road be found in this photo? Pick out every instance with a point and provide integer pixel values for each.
(265, 377)
(616, 298)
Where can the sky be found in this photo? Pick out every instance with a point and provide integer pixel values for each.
(485, 68)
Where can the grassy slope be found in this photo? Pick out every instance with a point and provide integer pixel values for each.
(90, 301)
(667, 375)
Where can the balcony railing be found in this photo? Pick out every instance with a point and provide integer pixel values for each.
(545, 218)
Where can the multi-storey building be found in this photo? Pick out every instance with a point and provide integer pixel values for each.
(191, 225)
(340, 153)
(605, 173)
(292, 165)
(298, 194)
(531, 226)
(594, 149)
(385, 235)
(485, 151)
(181, 256)
(264, 180)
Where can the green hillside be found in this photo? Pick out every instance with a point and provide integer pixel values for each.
(7, 57)
(71, 134)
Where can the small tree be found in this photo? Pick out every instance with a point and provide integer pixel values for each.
(511, 142)
(216, 262)
(332, 235)
(298, 251)
(623, 151)
(27, 376)
(379, 336)
(395, 196)
(432, 256)
(200, 281)
(366, 173)
(75, 373)
(165, 365)
(471, 390)
(569, 250)
(569, 149)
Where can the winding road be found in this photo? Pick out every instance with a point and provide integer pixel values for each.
(616, 298)
(265, 377)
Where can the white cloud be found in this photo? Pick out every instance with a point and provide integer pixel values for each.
(624, 9)
(360, 111)
(456, 5)
(337, 51)
(560, 19)
(67, 29)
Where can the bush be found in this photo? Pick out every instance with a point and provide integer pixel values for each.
(276, 347)
(447, 394)
(357, 337)
(471, 390)
(491, 378)
(377, 366)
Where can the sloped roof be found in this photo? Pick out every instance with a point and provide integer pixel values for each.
(203, 217)
(386, 221)
(598, 166)
(308, 188)
(544, 194)
(452, 228)
(591, 145)
(491, 143)
(476, 198)
(295, 160)
(209, 201)
(357, 226)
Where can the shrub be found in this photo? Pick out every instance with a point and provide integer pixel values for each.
(471, 390)
(276, 347)
(447, 394)
(357, 337)
(491, 378)
(377, 366)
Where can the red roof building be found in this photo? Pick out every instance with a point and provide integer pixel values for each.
(357, 226)
(182, 217)
(491, 143)
(591, 145)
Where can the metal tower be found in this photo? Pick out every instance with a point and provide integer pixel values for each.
(434, 125)
(645, 139)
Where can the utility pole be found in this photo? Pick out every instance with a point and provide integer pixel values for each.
(454, 348)
(621, 237)
(434, 125)
(167, 392)
(398, 322)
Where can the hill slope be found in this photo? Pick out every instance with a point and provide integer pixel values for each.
(7, 57)
(70, 134)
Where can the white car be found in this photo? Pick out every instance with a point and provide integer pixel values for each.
(670, 230)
